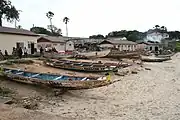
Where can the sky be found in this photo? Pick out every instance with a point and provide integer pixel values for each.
(90, 17)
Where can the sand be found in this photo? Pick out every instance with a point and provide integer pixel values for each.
(152, 94)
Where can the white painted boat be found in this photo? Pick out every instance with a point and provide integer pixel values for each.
(95, 53)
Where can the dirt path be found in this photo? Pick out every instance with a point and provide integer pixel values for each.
(149, 95)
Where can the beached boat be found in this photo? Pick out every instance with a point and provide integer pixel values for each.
(80, 66)
(52, 80)
(54, 55)
(121, 54)
(154, 58)
(97, 54)
(163, 56)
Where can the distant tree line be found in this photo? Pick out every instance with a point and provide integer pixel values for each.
(134, 35)
(130, 35)
(54, 31)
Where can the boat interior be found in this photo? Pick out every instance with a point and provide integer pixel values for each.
(44, 76)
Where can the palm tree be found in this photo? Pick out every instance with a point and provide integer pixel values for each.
(50, 16)
(66, 20)
(157, 26)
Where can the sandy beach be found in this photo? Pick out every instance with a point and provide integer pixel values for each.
(152, 94)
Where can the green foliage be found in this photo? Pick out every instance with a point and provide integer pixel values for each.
(55, 31)
(99, 36)
(174, 34)
(130, 35)
(8, 11)
(41, 30)
(66, 20)
(177, 46)
(50, 15)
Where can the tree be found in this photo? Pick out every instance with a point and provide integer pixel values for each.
(50, 16)
(19, 27)
(99, 36)
(157, 26)
(55, 31)
(66, 20)
(41, 30)
(8, 11)
(163, 29)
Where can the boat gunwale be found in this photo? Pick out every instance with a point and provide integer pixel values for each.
(74, 85)
(56, 74)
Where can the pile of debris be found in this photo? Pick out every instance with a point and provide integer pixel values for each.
(25, 102)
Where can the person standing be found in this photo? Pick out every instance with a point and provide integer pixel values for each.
(20, 52)
(41, 51)
(1, 56)
(6, 53)
(25, 52)
(46, 49)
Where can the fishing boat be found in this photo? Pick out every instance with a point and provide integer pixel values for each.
(154, 58)
(163, 56)
(121, 54)
(80, 66)
(55, 55)
(96, 54)
(52, 80)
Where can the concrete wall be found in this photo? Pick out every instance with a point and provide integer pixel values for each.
(152, 47)
(69, 46)
(130, 47)
(106, 45)
(8, 41)
(141, 46)
(60, 47)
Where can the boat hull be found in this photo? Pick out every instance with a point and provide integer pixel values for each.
(120, 54)
(154, 59)
(67, 84)
(79, 68)
(96, 54)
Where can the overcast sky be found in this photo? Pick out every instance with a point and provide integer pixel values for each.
(88, 17)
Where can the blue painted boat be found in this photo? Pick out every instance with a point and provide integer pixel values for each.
(44, 76)
(52, 80)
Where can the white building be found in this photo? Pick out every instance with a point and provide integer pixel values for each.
(83, 41)
(12, 37)
(61, 44)
(156, 36)
(122, 45)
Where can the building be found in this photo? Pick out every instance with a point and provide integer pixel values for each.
(154, 46)
(121, 45)
(84, 41)
(156, 36)
(61, 44)
(12, 37)
(142, 46)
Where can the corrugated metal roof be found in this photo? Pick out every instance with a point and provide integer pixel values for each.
(55, 39)
(9, 30)
(120, 42)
